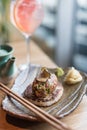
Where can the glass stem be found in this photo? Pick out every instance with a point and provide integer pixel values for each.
(28, 55)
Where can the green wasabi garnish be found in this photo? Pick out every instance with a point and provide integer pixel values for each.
(59, 72)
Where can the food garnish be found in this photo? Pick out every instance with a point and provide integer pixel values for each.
(59, 72)
(73, 76)
(44, 75)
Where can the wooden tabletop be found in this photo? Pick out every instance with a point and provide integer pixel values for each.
(77, 119)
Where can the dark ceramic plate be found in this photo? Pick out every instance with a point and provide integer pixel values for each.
(71, 98)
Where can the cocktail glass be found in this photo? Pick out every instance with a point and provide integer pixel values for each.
(26, 16)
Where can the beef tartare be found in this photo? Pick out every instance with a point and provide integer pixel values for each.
(45, 89)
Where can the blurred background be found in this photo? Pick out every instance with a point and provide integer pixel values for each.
(62, 34)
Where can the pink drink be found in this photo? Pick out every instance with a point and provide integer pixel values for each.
(28, 15)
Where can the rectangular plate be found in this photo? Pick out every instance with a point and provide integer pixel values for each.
(71, 98)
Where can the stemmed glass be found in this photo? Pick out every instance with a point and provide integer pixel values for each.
(26, 16)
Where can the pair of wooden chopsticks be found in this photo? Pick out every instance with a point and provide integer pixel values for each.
(56, 123)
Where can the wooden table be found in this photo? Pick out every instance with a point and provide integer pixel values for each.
(77, 119)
